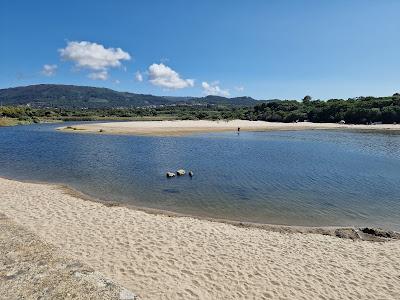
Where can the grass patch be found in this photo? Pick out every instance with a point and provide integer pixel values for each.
(11, 122)
(73, 128)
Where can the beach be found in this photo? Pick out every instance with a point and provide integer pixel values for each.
(33, 269)
(202, 150)
(162, 257)
(182, 127)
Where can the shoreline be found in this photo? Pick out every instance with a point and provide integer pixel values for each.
(161, 257)
(346, 232)
(188, 127)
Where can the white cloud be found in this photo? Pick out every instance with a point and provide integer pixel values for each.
(101, 75)
(138, 76)
(239, 88)
(163, 76)
(213, 89)
(49, 70)
(94, 57)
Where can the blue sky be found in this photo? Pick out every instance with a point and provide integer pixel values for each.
(264, 49)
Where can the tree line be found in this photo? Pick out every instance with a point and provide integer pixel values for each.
(184, 112)
(361, 110)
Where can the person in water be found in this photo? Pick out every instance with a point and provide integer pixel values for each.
(238, 129)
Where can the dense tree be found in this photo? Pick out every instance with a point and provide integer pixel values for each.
(307, 99)
(358, 111)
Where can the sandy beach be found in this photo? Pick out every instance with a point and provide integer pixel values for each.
(33, 269)
(183, 127)
(161, 257)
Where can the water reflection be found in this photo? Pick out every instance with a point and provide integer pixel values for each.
(298, 177)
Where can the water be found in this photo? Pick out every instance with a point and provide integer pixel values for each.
(314, 178)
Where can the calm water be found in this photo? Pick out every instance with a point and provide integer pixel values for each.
(296, 178)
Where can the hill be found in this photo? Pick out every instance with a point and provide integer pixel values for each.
(72, 96)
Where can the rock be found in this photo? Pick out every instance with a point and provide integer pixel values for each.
(191, 174)
(347, 233)
(381, 233)
(170, 174)
(180, 172)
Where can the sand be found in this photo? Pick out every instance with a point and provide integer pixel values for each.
(161, 257)
(201, 126)
(33, 269)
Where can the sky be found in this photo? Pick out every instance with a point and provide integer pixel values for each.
(264, 49)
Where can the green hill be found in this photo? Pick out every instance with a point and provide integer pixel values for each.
(71, 96)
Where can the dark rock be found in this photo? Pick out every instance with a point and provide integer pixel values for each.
(381, 233)
(347, 233)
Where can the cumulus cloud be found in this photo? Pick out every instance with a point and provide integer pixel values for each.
(94, 57)
(101, 75)
(138, 76)
(163, 76)
(239, 88)
(49, 70)
(213, 89)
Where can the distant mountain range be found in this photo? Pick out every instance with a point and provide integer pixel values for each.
(72, 96)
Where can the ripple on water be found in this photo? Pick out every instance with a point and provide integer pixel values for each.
(298, 178)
